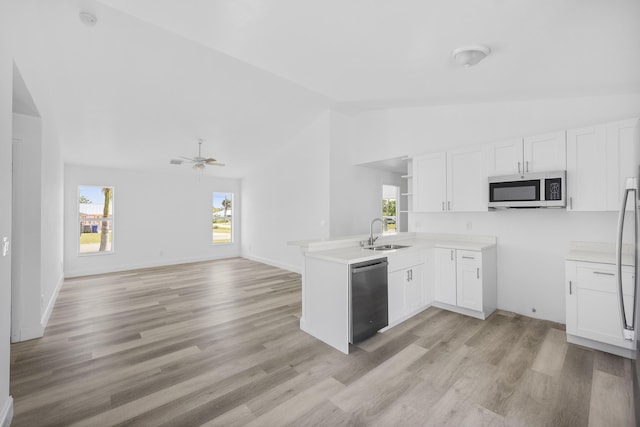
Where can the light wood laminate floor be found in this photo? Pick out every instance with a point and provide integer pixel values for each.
(218, 343)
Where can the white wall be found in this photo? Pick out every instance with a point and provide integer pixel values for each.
(386, 134)
(26, 272)
(159, 219)
(287, 198)
(532, 244)
(37, 228)
(356, 191)
(52, 218)
(6, 67)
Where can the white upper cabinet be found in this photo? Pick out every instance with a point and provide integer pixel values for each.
(505, 157)
(599, 159)
(429, 182)
(623, 158)
(467, 180)
(546, 152)
(450, 181)
(586, 168)
(538, 153)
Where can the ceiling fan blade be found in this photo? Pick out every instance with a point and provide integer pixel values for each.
(216, 164)
(209, 160)
(175, 161)
(189, 159)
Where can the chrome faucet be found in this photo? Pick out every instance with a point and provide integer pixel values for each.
(384, 227)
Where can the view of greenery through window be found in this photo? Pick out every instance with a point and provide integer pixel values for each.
(95, 214)
(389, 213)
(389, 203)
(222, 218)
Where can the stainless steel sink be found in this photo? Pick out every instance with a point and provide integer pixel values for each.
(386, 247)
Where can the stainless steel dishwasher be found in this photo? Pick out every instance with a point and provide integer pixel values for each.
(369, 299)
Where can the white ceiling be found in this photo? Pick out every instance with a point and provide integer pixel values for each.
(154, 75)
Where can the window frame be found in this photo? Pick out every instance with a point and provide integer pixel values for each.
(111, 220)
(232, 217)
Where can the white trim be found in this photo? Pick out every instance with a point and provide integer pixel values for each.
(31, 333)
(608, 348)
(52, 302)
(461, 310)
(137, 266)
(6, 414)
(292, 268)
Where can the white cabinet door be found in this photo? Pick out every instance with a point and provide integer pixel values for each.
(445, 280)
(396, 287)
(429, 182)
(413, 294)
(593, 309)
(586, 169)
(505, 157)
(469, 282)
(467, 180)
(622, 158)
(546, 152)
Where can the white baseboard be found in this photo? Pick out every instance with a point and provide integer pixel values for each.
(137, 266)
(6, 413)
(608, 348)
(288, 267)
(31, 333)
(52, 302)
(461, 310)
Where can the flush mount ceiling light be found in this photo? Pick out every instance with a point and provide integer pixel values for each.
(470, 55)
(87, 18)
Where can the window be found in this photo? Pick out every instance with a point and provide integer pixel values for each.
(389, 204)
(222, 211)
(95, 215)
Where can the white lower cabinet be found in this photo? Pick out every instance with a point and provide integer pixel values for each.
(465, 281)
(445, 281)
(593, 307)
(406, 286)
(469, 284)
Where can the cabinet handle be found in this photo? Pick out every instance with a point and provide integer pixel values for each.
(518, 167)
(571, 203)
(467, 257)
(570, 288)
(527, 163)
(409, 275)
(452, 255)
(443, 206)
(478, 273)
(448, 205)
(604, 273)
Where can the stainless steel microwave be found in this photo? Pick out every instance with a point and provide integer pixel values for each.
(529, 190)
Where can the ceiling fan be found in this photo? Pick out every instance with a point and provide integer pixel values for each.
(198, 162)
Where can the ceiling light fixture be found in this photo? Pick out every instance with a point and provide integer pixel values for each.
(470, 55)
(87, 18)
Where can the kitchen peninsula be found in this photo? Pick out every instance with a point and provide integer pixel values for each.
(450, 271)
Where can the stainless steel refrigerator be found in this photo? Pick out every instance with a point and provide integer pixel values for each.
(628, 312)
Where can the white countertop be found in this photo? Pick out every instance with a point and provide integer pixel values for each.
(348, 251)
(604, 253)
